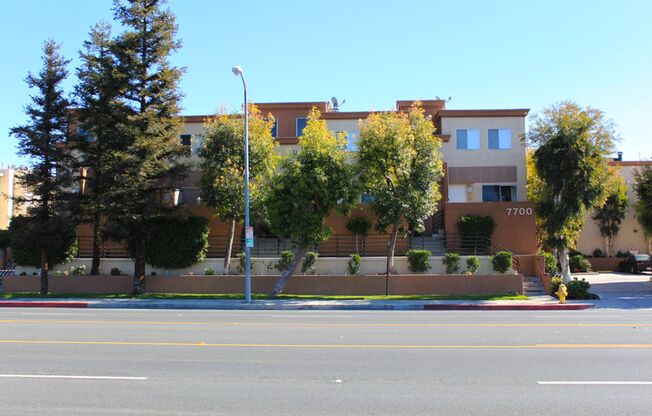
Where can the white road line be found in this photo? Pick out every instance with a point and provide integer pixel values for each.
(70, 377)
(597, 383)
(55, 314)
(310, 316)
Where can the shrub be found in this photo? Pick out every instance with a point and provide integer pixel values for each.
(115, 271)
(353, 266)
(598, 253)
(579, 264)
(359, 225)
(502, 261)
(550, 262)
(472, 264)
(452, 262)
(285, 260)
(242, 261)
(577, 288)
(209, 271)
(476, 230)
(175, 243)
(622, 254)
(26, 237)
(418, 260)
(78, 271)
(4, 239)
(309, 264)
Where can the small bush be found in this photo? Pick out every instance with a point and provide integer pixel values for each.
(472, 264)
(242, 261)
(622, 254)
(577, 288)
(115, 271)
(287, 257)
(78, 271)
(418, 260)
(209, 271)
(550, 262)
(176, 243)
(452, 262)
(502, 261)
(579, 264)
(309, 264)
(598, 253)
(353, 266)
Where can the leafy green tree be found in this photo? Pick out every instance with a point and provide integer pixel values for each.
(221, 184)
(400, 165)
(612, 212)
(42, 141)
(643, 188)
(572, 147)
(149, 156)
(359, 226)
(310, 186)
(98, 113)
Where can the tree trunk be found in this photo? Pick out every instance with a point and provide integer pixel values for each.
(564, 264)
(139, 267)
(608, 244)
(229, 248)
(356, 244)
(649, 245)
(44, 271)
(285, 276)
(390, 250)
(95, 265)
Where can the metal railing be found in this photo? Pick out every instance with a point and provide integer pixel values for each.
(477, 246)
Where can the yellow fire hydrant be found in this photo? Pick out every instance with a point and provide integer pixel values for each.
(562, 292)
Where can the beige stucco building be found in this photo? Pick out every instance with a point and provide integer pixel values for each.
(631, 236)
(9, 188)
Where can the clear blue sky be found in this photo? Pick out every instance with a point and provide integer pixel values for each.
(484, 54)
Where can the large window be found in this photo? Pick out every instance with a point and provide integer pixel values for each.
(500, 139)
(275, 129)
(352, 138)
(468, 139)
(498, 193)
(302, 122)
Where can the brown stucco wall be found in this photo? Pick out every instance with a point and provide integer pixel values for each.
(516, 233)
(605, 263)
(299, 285)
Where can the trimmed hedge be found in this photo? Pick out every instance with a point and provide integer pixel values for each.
(472, 264)
(309, 263)
(353, 265)
(175, 243)
(579, 264)
(452, 262)
(26, 236)
(476, 227)
(550, 262)
(418, 260)
(502, 261)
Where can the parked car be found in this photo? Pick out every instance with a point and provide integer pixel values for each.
(636, 263)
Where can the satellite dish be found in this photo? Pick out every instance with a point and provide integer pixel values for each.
(336, 104)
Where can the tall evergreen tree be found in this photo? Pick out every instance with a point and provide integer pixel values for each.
(42, 140)
(643, 189)
(150, 155)
(98, 115)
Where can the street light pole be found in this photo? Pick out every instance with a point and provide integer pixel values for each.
(237, 71)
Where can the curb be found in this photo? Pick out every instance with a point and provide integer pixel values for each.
(39, 304)
(539, 307)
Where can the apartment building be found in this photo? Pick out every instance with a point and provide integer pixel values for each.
(483, 155)
(9, 188)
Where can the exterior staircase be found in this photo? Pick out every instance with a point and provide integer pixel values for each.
(435, 243)
(532, 286)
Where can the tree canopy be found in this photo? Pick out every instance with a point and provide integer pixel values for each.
(609, 216)
(643, 189)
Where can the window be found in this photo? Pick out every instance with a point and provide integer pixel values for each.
(457, 193)
(468, 139)
(367, 199)
(302, 122)
(498, 193)
(186, 139)
(500, 139)
(197, 143)
(84, 135)
(352, 138)
(275, 129)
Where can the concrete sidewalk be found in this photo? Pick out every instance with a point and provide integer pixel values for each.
(536, 303)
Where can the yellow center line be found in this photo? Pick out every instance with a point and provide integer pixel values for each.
(329, 324)
(325, 346)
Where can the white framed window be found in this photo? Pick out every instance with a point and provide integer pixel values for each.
(352, 138)
(500, 139)
(302, 122)
(467, 139)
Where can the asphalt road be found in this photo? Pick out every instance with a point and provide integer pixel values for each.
(162, 362)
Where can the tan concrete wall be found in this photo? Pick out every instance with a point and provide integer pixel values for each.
(298, 285)
(9, 186)
(515, 230)
(631, 234)
(603, 264)
(485, 156)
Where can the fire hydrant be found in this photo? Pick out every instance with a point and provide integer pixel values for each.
(562, 292)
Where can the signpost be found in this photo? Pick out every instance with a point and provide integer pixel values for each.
(249, 236)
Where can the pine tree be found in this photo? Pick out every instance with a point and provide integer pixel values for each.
(98, 115)
(43, 141)
(149, 158)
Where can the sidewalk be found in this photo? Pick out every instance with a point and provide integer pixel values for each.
(536, 303)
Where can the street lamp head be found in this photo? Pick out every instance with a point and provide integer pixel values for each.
(237, 71)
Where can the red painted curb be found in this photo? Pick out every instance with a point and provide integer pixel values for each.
(540, 307)
(42, 304)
